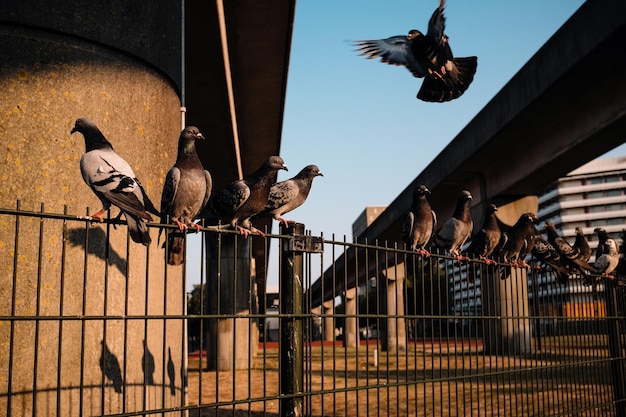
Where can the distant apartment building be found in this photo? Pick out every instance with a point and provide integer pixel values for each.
(591, 196)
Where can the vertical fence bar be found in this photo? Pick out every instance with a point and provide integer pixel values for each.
(615, 347)
(291, 341)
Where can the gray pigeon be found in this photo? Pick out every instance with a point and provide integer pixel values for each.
(429, 56)
(457, 229)
(545, 253)
(186, 191)
(290, 194)
(240, 200)
(569, 255)
(518, 241)
(487, 238)
(420, 222)
(606, 253)
(114, 182)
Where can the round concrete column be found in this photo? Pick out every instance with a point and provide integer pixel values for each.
(95, 353)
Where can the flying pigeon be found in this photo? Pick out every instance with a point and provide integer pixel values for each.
(114, 182)
(545, 253)
(290, 194)
(242, 199)
(606, 263)
(457, 229)
(569, 255)
(186, 191)
(426, 56)
(420, 222)
(487, 238)
(518, 241)
(581, 245)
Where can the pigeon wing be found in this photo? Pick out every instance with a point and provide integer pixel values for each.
(281, 194)
(169, 192)
(395, 50)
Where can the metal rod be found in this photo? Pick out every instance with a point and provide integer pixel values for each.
(291, 334)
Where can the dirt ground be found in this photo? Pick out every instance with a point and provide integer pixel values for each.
(450, 380)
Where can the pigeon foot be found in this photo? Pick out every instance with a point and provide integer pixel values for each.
(98, 215)
(181, 226)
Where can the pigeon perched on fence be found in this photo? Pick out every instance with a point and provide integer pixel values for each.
(518, 241)
(114, 182)
(607, 253)
(569, 255)
(545, 253)
(420, 222)
(426, 56)
(457, 229)
(581, 245)
(242, 199)
(290, 194)
(487, 238)
(186, 191)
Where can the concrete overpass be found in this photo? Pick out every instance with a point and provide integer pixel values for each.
(566, 106)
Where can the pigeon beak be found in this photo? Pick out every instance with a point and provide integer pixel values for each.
(320, 174)
(283, 166)
(74, 130)
(199, 136)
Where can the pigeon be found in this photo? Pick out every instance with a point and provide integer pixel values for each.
(110, 367)
(487, 238)
(603, 236)
(290, 194)
(581, 245)
(420, 222)
(186, 191)
(457, 229)
(242, 199)
(606, 263)
(518, 241)
(426, 56)
(569, 255)
(114, 182)
(545, 253)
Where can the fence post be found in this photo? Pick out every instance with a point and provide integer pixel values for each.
(291, 319)
(615, 347)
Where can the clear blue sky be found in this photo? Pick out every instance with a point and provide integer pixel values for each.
(359, 120)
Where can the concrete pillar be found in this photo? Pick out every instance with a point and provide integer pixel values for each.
(351, 328)
(328, 324)
(230, 294)
(505, 301)
(394, 336)
(58, 63)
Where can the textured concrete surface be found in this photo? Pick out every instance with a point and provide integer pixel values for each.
(68, 271)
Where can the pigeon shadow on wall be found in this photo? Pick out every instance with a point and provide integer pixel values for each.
(96, 245)
(110, 367)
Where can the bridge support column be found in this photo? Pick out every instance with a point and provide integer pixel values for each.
(394, 336)
(351, 326)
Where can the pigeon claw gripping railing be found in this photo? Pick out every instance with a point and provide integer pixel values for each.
(291, 348)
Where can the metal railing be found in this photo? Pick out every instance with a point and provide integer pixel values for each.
(94, 324)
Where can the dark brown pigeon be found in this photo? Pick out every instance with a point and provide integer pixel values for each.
(240, 200)
(420, 222)
(113, 181)
(545, 253)
(603, 236)
(429, 56)
(487, 238)
(186, 191)
(569, 255)
(290, 194)
(457, 229)
(582, 246)
(518, 241)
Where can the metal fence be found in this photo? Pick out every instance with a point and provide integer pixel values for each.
(93, 324)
